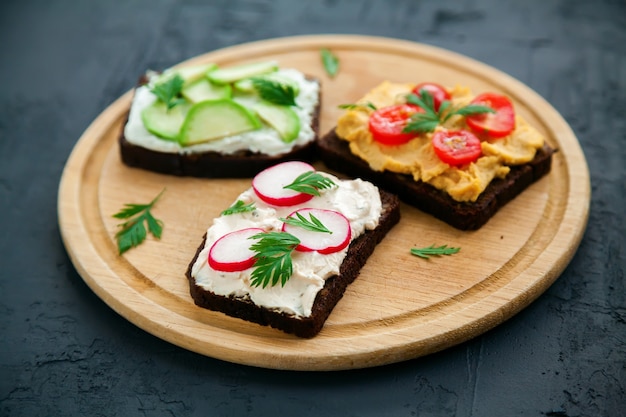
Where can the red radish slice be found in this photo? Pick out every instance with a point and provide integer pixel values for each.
(269, 184)
(321, 242)
(231, 252)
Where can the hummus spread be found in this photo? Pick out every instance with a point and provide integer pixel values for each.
(417, 157)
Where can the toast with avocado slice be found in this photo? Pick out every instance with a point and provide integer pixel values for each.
(199, 121)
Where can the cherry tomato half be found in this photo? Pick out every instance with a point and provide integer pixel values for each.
(386, 124)
(439, 93)
(493, 125)
(456, 147)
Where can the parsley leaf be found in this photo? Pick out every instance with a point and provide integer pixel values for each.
(239, 207)
(169, 90)
(274, 91)
(428, 120)
(431, 250)
(330, 61)
(310, 182)
(133, 231)
(313, 223)
(273, 258)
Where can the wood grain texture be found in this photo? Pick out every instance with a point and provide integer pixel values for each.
(400, 307)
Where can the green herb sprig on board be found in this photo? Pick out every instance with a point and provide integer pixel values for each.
(330, 62)
(133, 231)
(431, 250)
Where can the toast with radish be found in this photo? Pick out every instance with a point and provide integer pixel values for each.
(457, 156)
(210, 121)
(283, 254)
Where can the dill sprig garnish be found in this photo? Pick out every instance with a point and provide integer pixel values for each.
(238, 207)
(431, 250)
(310, 182)
(312, 223)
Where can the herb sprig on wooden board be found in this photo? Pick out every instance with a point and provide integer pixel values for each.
(168, 91)
(310, 182)
(330, 62)
(133, 231)
(273, 258)
(431, 250)
(428, 120)
(274, 91)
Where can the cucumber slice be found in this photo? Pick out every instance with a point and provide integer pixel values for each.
(188, 74)
(245, 85)
(215, 119)
(282, 118)
(162, 122)
(203, 89)
(194, 73)
(232, 74)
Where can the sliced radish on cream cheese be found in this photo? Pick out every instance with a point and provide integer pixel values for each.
(232, 253)
(270, 183)
(323, 242)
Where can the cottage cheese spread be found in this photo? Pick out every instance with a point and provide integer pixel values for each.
(265, 140)
(358, 200)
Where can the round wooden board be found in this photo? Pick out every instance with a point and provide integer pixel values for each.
(401, 306)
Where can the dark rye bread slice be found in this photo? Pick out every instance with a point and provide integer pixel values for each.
(336, 155)
(241, 164)
(358, 252)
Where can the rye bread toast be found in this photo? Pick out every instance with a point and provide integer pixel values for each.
(336, 155)
(209, 164)
(306, 327)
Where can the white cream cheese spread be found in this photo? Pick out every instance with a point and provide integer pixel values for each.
(265, 140)
(358, 200)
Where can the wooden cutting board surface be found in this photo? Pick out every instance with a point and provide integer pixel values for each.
(401, 306)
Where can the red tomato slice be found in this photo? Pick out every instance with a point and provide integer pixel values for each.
(493, 125)
(456, 147)
(439, 93)
(386, 124)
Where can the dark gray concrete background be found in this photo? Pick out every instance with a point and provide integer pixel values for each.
(64, 352)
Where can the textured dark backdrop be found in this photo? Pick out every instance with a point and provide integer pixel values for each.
(64, 352)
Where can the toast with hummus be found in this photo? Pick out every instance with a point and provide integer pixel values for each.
(456, 156)
(283, 257)
(209, 121)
